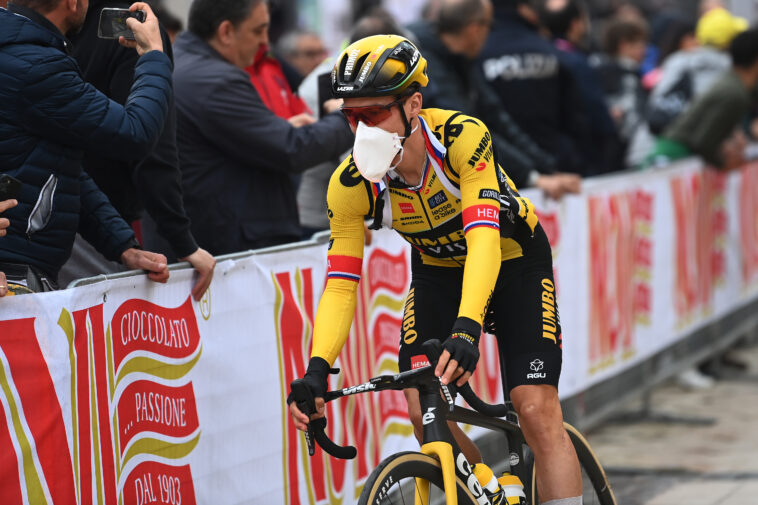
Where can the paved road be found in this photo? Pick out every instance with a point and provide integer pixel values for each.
(680, 463)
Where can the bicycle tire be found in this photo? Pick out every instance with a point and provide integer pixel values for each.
(406, 466)
(596, 487)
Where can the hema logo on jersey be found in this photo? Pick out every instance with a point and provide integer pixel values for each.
(419, 361)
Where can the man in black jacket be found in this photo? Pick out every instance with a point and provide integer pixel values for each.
(49, 117)
(237, 157)
(451, 46)
(536, 90)
(154, 183)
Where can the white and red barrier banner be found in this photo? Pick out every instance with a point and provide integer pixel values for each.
(129, 392)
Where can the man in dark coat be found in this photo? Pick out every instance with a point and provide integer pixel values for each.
(535, 88)
(451, 46)
(49, 118)
(152, 184)
(236, 156)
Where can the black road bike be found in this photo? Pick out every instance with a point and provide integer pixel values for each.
(439, 473)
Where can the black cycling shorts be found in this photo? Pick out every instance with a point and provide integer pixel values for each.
(524, 306)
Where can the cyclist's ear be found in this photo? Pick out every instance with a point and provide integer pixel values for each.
(413, 105)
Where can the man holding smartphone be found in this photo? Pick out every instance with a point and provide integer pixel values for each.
(147, 193)
(49, 118)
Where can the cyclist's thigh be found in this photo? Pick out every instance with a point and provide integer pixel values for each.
(430, 312)
(526, 317)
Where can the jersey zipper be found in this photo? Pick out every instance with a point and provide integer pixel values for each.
(429, 221)
(418, 190)
(423, 207)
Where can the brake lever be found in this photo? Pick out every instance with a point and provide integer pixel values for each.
(307, 405)
(433, 350)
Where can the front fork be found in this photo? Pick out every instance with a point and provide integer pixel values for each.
(439, 443)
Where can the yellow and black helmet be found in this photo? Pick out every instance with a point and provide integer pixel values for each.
(379, 65)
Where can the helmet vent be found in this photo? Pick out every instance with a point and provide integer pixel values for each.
(358, 66)
(394, 80)
(355, 70)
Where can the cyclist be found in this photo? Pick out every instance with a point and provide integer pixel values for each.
(477, 249)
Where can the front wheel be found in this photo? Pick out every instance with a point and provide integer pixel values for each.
(394, 482)
(596, 489)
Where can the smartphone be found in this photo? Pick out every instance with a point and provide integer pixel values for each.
(113, 23)
(10, 187)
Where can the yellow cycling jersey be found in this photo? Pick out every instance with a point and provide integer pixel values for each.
(463, 214)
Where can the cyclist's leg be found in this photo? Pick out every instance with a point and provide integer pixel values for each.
(541, 420)
(430, 311)
(529, 339)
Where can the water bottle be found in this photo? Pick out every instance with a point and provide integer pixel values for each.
(513, 489)
(486, 478)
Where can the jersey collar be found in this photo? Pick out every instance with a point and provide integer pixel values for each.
(433, 146)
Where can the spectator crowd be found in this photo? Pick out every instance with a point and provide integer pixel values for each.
(185, 145)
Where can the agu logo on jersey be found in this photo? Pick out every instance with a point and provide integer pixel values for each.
(536, 366)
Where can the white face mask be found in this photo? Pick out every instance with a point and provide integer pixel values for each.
(374, 149)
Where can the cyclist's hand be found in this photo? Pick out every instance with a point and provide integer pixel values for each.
(460, 352)
(301, 420)
(316, 380)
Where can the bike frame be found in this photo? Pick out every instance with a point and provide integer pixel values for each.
(437, 408)
(439, 442)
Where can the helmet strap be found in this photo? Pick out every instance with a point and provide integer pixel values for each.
(407, 124)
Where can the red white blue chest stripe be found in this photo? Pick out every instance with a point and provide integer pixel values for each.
(474, 216)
